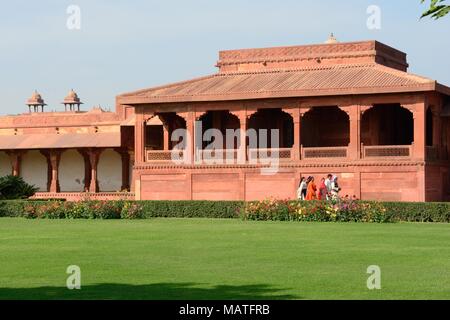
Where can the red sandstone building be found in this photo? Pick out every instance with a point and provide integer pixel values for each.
(350, 109)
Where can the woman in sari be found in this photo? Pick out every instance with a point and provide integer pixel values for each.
(311, 192)
(323, 191)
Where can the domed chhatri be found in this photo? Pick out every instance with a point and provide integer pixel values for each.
(72, 100)
(36, 101)
(331, 39)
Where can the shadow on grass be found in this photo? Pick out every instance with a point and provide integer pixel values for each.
(157, 291)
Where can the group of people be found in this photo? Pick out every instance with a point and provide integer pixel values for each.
(328, 188)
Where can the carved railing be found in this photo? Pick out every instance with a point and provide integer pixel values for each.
(162, 155)
(432, 153)
(221, 155)
(78, 196)
(280, 153)
(404, 151)
(325, 152)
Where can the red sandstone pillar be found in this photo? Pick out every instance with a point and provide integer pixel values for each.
(242, 152)
(94, 156)
(190, 142)
(87, 171)
(419, 114)
(242, 157)
(296, 118)
(166, 137)
(16, 159)
(139, 136)
(296, 146)
(55, 157)
(132, 180)
(354, 113)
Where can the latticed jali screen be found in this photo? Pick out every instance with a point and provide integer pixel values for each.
(387, 151)
(270, 153)
(325, 153)
(164, 155)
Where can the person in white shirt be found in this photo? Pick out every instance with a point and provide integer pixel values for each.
(335, 188)
(328, 184)
(301, 191)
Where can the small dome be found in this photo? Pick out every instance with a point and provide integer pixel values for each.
(331, 39)
(72, 97)
(35, 100)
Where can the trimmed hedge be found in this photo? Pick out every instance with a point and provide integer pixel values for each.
(418, 211)
(358, 211)
(119, 209)
(191, 209)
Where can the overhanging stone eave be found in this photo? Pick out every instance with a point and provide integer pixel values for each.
(443, 89)
(140, 100)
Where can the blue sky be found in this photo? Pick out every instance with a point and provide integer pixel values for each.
(129, 45)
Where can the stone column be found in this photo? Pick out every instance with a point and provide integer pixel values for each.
(197, 137)
(242, 153)
(419, 114)
(139, 136)
(55, 157)
(189, 138)
(132, 182)
(46, 154)
(87, 170)
(354, 147)
(166, 137)
(94, 156)
(15, 157)
(296, 119)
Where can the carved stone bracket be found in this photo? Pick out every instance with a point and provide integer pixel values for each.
(199, 114)
(346, 109)
(250, 113)
(303, 111)
(365, 108)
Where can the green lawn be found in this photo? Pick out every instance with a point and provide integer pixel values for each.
(222, 259)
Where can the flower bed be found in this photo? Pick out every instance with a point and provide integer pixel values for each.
(326, 211)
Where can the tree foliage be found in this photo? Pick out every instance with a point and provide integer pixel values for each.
(437, 9)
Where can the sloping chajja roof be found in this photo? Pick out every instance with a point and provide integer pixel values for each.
(302, 71)
(60, 141)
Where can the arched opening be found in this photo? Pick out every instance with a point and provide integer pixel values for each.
(5, 164)
(387, 124)
(34, 169)
(221, 120)
(71, 171)
(154, 134)
(325, 127)
(158, 126)
(273, 119)
(109, 171)
(429, 128)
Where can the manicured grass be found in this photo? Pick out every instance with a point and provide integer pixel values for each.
(222, 259)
